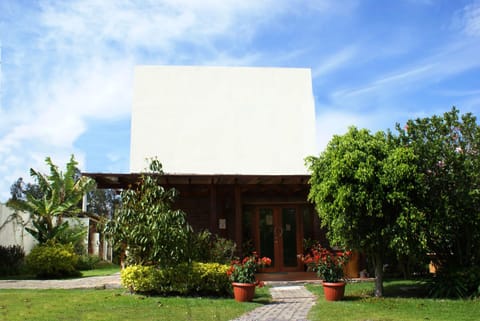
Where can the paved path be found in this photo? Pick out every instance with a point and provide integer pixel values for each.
(290, 302)
(94, 282)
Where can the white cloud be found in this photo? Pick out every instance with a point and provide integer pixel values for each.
(71, 62)
(471, 18)
(335, 61)
(330, 123)
(395, 79)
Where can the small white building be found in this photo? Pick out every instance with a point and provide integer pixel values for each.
(233, 141)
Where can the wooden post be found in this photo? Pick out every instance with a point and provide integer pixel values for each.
(213, 209)
(238, 219)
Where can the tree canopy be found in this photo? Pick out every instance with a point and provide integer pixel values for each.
(408, 194)
(361, 185)
(448, 159)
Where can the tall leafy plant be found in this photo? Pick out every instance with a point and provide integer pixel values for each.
(146, 225)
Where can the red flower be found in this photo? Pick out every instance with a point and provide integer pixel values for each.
(328, 264)
(266, 261)
(244, 271)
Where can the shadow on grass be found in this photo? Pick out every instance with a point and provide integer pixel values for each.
(405, 289)
(392, 289)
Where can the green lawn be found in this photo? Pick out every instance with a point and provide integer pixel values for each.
(101, 271)
(403, 301)
(106, 305)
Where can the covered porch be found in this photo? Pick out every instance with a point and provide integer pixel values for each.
(268, 214)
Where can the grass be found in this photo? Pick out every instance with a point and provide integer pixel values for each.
(404, 300)
(112, 305)
(102, 270)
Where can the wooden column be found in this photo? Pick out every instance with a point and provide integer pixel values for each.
(238, 218)
(213, 209)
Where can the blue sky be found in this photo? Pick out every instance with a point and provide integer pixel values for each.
(67, 66)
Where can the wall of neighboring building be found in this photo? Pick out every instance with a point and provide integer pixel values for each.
(223, 120)
(12, 231)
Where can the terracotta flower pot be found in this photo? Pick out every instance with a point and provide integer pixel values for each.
(243, 292)
(333, 291)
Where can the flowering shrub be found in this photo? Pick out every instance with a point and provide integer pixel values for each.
(184, 279)
(328, 264)
(52, 260)
(244, 271)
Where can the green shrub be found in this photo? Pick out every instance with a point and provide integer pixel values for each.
(73, 235)
(208, 247)
(184, 279)
(456, 283)
(52, 260)
(87, 262)
(140, 279)
(12, 259)
(211, 279)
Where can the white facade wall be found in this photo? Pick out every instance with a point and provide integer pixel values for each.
(12, 231)
(223, 120)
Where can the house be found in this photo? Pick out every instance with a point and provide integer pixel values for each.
(233, 141)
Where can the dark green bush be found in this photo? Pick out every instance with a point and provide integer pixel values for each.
(207, 247)
(87, 262)
(193, 279)
(456, 283)
(11, 259)
(73, 235)
(52, 260)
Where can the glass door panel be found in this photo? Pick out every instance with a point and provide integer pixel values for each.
(289, 237)
(267, 233)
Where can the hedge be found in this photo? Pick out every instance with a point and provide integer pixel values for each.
(184, 279)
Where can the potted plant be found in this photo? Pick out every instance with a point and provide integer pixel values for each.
(242, 275)
(329, 266)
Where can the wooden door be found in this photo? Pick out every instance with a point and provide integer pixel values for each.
(279, 236)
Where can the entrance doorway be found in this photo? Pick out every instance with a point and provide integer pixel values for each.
(279, 236)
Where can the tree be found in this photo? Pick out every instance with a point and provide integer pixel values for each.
(102, 202)
(147, 226)
(362, 186)
(448, 149)
(19, 190)
(57, 195)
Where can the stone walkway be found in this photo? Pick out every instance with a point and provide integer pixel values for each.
(290, 302)
(94, 282)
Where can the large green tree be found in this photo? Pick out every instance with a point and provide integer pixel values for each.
(362, 186)
(56, 195)
(448, 159)
(147, 226)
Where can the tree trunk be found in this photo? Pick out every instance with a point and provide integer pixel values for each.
(378, 262)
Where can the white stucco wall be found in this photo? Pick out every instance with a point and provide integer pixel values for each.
(223, 120)
(12, 231)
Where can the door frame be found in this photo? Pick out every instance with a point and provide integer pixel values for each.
(278, 235)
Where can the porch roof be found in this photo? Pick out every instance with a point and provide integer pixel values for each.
(123, 180)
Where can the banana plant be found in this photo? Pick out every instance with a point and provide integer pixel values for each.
(61, 196)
